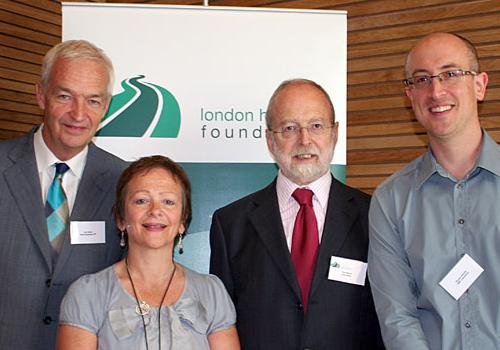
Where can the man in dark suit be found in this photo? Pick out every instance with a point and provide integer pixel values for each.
(287, 290)
(35, 271)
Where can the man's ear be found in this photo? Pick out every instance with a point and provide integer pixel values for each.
(107, 102)
(269, 140)
(335, 133)
(480, 83)
(40, 95)
(408, 91)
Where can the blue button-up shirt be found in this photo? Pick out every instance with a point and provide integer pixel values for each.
(422, 221)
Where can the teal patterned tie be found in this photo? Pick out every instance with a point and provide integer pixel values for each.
(56, 207)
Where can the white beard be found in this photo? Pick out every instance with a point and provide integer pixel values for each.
(303, 173)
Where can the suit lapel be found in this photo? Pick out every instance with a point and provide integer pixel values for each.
(24, 185)
(340, 215)
(93, 186)
(91, 192)
(266, 220)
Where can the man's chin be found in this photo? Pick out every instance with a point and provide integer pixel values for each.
(305, 174)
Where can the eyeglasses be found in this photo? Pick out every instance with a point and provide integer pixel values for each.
(448, 77)
(292, 130)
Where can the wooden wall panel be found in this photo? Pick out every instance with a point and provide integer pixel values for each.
(383, 134)
(28, 28)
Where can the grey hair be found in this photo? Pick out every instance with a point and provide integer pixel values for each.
(295, 82)
(76, 49)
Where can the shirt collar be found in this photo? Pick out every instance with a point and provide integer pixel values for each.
(320, 188)
(489, 159)
(45, 158)
(426, 168)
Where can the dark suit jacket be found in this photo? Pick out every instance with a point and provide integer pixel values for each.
(31, 284)
(250, 255)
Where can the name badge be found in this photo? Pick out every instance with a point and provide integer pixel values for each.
(461, 276)
(347, 270)
(87, 232)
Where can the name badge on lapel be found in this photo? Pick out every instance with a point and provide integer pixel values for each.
(87, 232)
(347, 270)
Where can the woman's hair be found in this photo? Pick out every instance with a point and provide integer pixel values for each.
(144, 165)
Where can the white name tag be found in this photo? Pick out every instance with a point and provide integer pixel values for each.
(461, 276)
(347, 270)
(87, 232)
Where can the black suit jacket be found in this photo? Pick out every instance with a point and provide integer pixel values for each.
(250, 255)
(32, 283)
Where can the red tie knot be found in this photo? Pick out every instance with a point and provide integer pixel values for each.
(303, 196)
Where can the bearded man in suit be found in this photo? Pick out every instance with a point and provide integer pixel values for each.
(274, 254)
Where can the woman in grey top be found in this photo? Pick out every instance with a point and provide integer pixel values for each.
(147, 301)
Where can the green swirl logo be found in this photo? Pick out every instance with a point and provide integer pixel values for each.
(142, 109)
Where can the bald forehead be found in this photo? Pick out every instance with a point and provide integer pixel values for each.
(438, 44)
(301, 91)
(297, 88)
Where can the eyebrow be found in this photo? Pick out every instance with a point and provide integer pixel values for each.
(149, 192)
(72, 92)
(312, 120)
(442, 68)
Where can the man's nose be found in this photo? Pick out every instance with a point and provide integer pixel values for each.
(304, 135)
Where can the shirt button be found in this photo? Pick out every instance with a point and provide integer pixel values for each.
(461, 221)
(48, 282)
(467, 324)
(47, 320)
(460, 186)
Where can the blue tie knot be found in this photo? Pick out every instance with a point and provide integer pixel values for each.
(61, 168)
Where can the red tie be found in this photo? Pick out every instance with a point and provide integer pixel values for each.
(305, 242)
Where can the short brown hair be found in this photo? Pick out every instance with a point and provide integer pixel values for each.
(144, 165)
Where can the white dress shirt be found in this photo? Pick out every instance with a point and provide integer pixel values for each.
(45, 161)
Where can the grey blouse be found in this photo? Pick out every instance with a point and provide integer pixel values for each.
(99, 304)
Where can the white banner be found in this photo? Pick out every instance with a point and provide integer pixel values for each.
(220, 65)
(193, 83)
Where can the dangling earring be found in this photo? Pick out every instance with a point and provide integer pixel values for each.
(122, 239)
(180, 245)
